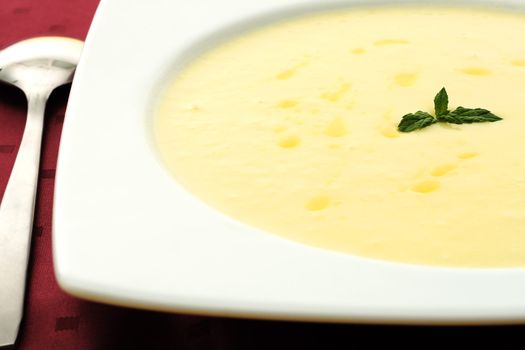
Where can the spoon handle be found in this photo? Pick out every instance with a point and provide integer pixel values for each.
(16, 219)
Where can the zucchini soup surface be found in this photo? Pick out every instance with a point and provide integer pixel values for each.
(292, 128)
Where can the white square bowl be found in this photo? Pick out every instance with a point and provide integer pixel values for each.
(126, 233)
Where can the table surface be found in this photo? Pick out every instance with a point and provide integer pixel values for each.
(54, 320)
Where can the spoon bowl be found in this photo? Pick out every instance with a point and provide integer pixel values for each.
(36, 66)
(48, 61)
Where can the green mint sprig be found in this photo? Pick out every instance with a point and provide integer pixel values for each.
(461, 115)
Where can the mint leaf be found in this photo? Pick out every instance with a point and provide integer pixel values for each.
(441, 103)
(415, 121)
(463, 115)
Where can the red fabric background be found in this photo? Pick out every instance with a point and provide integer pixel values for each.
(54, 320)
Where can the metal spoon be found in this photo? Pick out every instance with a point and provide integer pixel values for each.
(36, 66)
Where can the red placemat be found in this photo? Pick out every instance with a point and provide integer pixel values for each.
(54, 320)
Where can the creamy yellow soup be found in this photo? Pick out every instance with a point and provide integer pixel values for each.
(292, 128)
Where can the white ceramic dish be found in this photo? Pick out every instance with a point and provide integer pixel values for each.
(126, 233)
